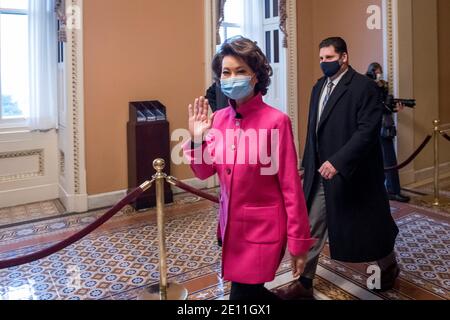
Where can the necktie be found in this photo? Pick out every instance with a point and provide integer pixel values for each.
(327, 97)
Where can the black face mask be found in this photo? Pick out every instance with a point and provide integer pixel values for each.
(330, 68)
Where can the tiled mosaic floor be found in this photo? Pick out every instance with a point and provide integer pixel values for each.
(423, 253)
(119, 256)
(29, 212)
(118, 260)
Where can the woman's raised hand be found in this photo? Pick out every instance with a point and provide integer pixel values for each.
(199, 122)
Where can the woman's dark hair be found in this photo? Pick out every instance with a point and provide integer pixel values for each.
(374, 66)
(339, 44)
(251, 54)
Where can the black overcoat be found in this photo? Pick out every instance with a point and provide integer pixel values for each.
(360, 225)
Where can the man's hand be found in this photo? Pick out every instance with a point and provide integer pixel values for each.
(327, 171)
(298, 265)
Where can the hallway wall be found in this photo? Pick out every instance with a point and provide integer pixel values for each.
(425, 77)
(319, 19)
(155, 50)
(136, 50)
(124, 63)
(444, 60)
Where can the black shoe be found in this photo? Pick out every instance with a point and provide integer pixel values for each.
(388, 278)
(399, 198)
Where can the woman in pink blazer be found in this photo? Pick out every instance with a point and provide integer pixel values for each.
(250, 146)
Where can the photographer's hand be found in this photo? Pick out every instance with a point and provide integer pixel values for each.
(399, 107)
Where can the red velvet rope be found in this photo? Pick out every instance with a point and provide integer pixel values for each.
(446, 136)
(412, 157)
(74, 238)
(197, 192)
(192, 190)
(137, 192)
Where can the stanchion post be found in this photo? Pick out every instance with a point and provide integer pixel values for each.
(160, 177)
(165, 290)
(435, 199)
(436, 124)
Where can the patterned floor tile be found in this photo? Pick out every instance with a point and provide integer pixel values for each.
(422, 249)
(29, 212)
(120, 259)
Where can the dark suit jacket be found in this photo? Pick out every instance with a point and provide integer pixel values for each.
(360, 224)
(217, 100)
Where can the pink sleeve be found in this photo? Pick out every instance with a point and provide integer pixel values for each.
(199, 160)
(298, 228)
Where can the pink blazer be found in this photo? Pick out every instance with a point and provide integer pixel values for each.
(260, 213)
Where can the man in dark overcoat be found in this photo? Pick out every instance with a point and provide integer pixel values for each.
(344, 173)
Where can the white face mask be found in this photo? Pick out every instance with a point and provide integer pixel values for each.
(379, 76)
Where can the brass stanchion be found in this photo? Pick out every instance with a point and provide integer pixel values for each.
(165, 290)
(435, 199)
